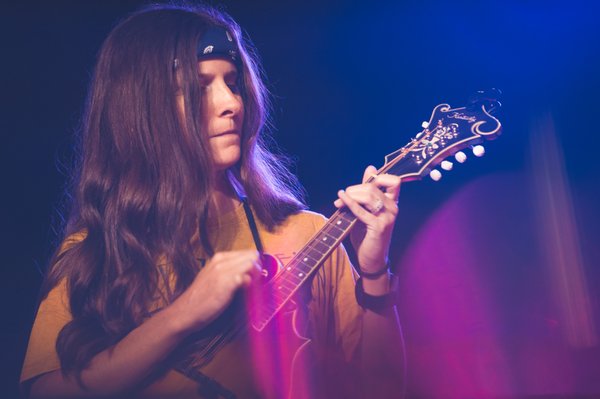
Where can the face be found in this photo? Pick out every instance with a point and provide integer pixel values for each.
(222, 110)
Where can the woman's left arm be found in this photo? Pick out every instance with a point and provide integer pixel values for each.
(375, 204)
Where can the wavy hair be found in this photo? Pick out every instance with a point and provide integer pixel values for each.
(143, 182)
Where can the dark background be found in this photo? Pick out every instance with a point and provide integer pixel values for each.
(352, 82)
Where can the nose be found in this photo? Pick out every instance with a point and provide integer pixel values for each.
(227, 102)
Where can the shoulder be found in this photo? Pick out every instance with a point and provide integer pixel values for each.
(71, 240)
(55, 279)
(305, 220)
(293, 234)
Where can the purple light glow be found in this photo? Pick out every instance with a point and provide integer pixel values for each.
(477, 305)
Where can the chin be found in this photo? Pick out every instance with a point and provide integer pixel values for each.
(226, 160)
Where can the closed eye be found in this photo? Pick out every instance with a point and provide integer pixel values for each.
(234, 87)
(232, 81)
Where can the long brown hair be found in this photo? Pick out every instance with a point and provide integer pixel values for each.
(143, 182)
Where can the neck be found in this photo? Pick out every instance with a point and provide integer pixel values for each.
(224, 198)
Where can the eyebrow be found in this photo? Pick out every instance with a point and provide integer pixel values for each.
(233, 73)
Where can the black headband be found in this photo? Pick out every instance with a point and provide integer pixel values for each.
(217, 42)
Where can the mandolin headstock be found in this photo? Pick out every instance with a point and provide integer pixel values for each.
(448, 131)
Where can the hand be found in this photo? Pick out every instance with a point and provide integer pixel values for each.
(214, 287)
(375, 205)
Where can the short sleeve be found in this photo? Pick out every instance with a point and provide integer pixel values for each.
(52, 315)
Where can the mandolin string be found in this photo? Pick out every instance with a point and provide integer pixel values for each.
(219, 341)
(283, 276)
(240, 324)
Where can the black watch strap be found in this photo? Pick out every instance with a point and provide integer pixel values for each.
(374, 275)
(377, 303)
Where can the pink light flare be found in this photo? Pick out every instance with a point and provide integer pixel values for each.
(559, 234)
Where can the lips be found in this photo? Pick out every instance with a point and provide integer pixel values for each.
(233, 131)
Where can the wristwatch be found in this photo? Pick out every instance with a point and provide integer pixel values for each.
(377, 303)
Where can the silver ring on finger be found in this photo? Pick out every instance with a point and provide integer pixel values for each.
(377, 207)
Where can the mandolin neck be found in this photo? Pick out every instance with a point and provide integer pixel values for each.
(286, 283)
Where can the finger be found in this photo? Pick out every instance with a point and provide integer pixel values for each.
(356, 208)
(389, 184)
(234, 261)
(367, 193)
(244, 280)
(229, 255)
(371, 198)
(370, 171)
(244, 270)
(252, 267)
(363, 194)
(255, 270)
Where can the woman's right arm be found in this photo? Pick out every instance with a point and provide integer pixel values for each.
(122, 367)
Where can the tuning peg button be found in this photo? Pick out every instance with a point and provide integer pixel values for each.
(447, 165)
(425, 124)
(435, 175)
(460, 157)
(478, 150)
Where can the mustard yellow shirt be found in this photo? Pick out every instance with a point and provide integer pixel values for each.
(330, 317)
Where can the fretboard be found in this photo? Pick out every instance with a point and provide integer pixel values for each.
(277, 292)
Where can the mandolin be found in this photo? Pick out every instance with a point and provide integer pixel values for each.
(448, 132)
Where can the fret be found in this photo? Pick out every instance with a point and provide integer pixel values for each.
(285, 283)
(320, 247)
(292, 279)
(266, 307)
(314, 254)
(302, 266)
(335, 230)
(279, 299)
(306, 259)
(342, 222)
(309, 259)
(269, 306)
(347, 217)
(327, 238)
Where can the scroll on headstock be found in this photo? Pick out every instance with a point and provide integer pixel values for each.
(448, 131)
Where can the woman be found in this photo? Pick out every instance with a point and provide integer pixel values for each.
(159, 249)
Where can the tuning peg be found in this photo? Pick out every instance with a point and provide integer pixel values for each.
(460, 157)
(478, 150)
(425, 124)
(447, 165)
(435, 175)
